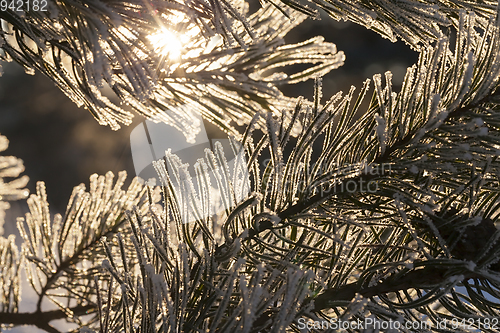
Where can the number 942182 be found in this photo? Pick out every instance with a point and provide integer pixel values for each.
(23, 5)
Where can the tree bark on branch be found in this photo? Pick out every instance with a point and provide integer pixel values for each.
(42, 319)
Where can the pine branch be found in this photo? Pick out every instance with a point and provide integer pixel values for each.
(75, 258)
(425, 278)
(42, 319)
(10, 259)
(59, 250)
(456, 113)
(386, 157)
(226, 68)
(248, 247)
(10, 167)
(403, 142)
(418, 23)
(400, 134)
(330, 191)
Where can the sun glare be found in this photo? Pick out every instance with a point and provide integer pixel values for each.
(167, 43)
(179, 38)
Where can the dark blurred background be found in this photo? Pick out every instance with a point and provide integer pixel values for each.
(63, 145)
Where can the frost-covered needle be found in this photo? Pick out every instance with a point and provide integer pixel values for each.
(149, 140)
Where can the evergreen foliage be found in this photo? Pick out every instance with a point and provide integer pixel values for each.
(384, 210)
(10, 167)
(101, 55)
